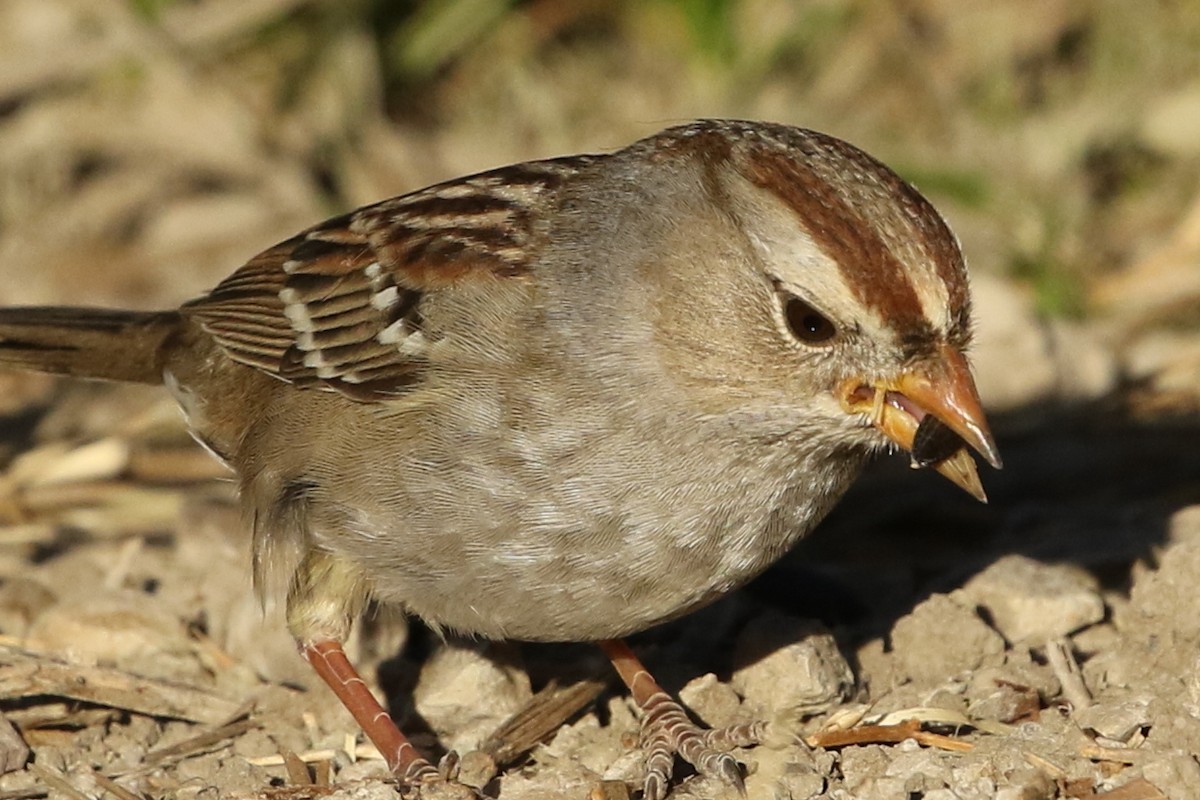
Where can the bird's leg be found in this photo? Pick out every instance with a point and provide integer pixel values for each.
(667, 731)
(326, 595)
(329, 661)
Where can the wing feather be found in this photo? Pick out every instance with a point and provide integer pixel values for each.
(338, 307)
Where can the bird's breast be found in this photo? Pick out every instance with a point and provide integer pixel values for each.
(590, 536)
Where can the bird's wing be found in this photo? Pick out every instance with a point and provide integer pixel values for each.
(338, 307)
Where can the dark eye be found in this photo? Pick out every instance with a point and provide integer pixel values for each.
(805, 322)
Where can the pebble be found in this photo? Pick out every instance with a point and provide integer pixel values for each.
(1029, 601)
(463, 694)
(941, 637)
(792, 664)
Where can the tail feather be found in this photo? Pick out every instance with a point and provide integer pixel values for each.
(94, 343)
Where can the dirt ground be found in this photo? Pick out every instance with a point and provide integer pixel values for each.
(918, 646)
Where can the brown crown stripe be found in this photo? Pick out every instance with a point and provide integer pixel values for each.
(876, 278)
(934, 235)
(939, 243)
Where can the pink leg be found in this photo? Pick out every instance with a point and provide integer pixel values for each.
(667, 730)
(330, 662)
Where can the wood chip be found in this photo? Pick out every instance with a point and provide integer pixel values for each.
(24, 674)
(323, 772)
(296, 770)
(114, 788)
(307, 757)
(14, 752)
(609, 790)
(202, 743)
(1136, 789)
(545, 713)
(56, 780)
(1120, 756)
(99, 460)
(122, 565)
(51, 715)
(1066, 669)
(886, 734)
(943, 717)
(1051, 769)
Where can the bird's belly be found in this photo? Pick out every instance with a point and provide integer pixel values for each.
(586, 528)
(526, 578)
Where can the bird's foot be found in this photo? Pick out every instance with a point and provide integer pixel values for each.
(667, 732)
(423, 781)
(438, 788)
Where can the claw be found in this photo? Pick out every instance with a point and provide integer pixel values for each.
(655, 787)
(731, 772)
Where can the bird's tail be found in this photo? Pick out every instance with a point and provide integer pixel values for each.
(93, 343)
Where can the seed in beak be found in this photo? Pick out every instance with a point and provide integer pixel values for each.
(934, 442)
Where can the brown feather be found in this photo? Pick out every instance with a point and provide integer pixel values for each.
(338, 306)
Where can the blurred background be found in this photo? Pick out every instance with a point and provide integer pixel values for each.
(150, 147)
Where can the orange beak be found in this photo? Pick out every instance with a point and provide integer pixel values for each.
(942, 389)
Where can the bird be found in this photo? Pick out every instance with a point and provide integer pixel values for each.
(565, 399)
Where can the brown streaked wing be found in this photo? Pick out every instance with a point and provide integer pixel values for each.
(338, 306)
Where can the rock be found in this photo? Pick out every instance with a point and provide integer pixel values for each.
(942, 637)
(790, 664)
(1020, 671)
(1020, 359)
(464, 695)
(1011, 354)
(22, 600)
(1006, 703)
(604, 751)
(13, 750)
(1084, 366)
(476, 768)
(1117, 721)
(1027, 783)
(1166, 596)
(798, 785)
(714, 702)
(117, 628)
(1173, 725)
(1177, 776)
(863, 774)
(1033, 602)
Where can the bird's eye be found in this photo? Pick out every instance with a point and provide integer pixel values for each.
(805, 322)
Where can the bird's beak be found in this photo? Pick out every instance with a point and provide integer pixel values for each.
(941, 388)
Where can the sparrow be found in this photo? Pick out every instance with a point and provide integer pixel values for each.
(563, 400)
